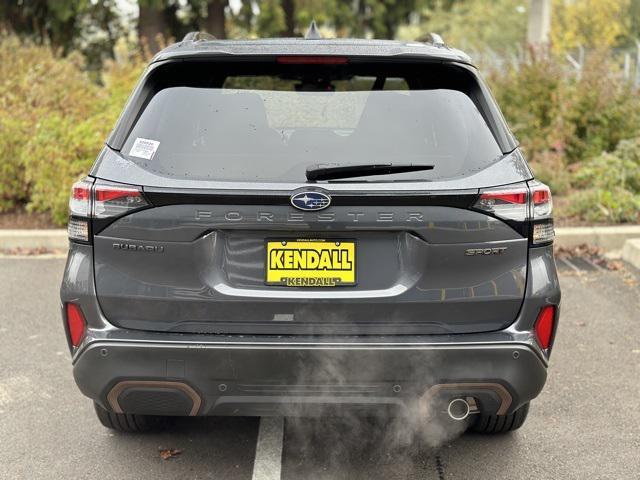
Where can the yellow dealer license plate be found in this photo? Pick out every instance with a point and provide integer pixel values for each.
(311, 263)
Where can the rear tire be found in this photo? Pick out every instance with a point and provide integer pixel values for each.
(128, 422)
(497, 424)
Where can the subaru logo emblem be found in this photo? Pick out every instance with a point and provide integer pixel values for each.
(310, 200)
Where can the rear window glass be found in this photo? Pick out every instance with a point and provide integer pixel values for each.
(270, 126)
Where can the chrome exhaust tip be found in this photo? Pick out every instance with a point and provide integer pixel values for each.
(458, 409)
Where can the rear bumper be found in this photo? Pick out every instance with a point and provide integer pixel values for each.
(271, 378)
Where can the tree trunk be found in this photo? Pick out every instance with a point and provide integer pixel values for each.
(289, 8)
(151, 25)
(539, 23)
(216, 19)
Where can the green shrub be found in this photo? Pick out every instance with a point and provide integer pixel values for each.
(563, 120)
(609, 186)
(597, 205)
(553, 112)
(60, 151)
(13, 188)
(63, 149)
(602, 109)
(550, 168)
(53, 122)
(618, 169)
(531, 98)
(35, 85)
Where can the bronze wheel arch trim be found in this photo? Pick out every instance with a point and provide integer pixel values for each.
(118, 388)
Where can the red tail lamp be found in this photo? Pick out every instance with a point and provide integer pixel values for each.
(545, 324)
(76, 323)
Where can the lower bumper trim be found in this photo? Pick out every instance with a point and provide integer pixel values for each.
(261, 379)
(148, 385)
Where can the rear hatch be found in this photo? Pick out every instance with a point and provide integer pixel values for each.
(230, 235)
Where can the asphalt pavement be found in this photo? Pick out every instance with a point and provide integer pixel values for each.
(585, 424)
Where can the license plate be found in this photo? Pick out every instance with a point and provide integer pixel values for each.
(311, 263)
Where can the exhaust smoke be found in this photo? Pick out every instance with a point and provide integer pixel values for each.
(414, 421)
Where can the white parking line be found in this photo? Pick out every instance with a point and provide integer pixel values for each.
(268, 462)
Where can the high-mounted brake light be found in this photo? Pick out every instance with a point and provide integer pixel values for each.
(76, 323)
(544, 326)
(312, 60)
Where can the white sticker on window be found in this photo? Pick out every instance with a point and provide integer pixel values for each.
(144, 148)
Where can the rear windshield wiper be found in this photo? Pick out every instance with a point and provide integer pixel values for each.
(335, 171)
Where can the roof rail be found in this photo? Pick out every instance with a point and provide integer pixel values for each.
(313, 33)
(198, 37)
(435, 40)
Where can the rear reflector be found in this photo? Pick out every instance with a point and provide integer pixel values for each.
(75, 323)
(544, 326)
(312, 60)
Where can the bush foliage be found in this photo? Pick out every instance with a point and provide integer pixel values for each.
(608, 186)
(567, 122)
(54, 119)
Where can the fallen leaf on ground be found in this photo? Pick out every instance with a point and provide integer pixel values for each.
(615, 265)
(168, 453)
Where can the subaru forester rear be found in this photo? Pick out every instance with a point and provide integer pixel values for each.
(301, 227)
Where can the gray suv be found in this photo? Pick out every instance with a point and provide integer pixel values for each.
(310, 227)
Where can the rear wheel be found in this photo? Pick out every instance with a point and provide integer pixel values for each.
(128, 422)
(496, 424)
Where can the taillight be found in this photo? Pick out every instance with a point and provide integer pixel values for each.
(79, 210)
(112, 201)
(541, 214)
(76, 323)
(80, 201)
(544, 326)
(520, 205)
(509, 204)
(100, 200)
